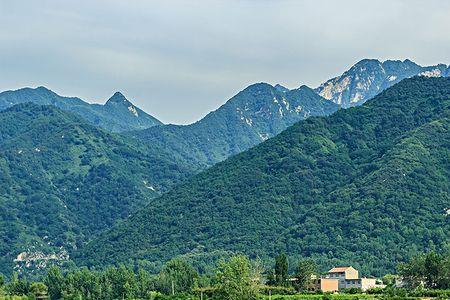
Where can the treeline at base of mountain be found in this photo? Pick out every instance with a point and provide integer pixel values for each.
(237, 278)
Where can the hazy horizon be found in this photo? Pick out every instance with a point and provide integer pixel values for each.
(179, 61)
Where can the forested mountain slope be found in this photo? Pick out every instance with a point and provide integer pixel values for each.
(255, 114)
(118, 114)
(369, 77)
(367, 186)
(63, 180)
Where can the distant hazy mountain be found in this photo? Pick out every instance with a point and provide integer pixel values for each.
(118, 114)
(255, 114)
(367, 186)
(369, 77)
(62, 180)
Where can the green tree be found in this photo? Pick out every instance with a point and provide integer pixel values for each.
(39, 290)
(17, 286)
(431, 269)
(234, 280)
(54, 280)
(177, 276)
(281, 269)
(2, 283)
(389, 279)
(145, 284)
(433, 265)
(303, 272)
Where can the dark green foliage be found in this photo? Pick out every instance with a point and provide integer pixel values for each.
(234, 280)
(352, 290)
(177, 276)
(63, 180)
(18, 286)
(305, 268)
(118, 114)
(402, 293)
(431, 269)
(258, 112)
(367, 186)
(112, 283)
(54, 282)
(281, 270)
(38, 290)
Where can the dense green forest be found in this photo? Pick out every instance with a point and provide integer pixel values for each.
(65, 180)
(118, 114)
(367, 186)
(62, 180)
(258, 112)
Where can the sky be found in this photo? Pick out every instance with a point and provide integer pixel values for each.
(179, 60)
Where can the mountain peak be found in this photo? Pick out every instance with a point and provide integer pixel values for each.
(367, 62)
(43, 88)
(258, 86)
(121, 108)
(409, 62)
(305, 88)
(281, 88)
(117, 98)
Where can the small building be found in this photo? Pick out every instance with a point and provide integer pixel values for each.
(342, 274)
(340, 278)
(323, 284)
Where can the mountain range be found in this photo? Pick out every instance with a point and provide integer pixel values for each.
(255, 114)
(70, 170)
(367, 186)
(118, 114)
(258, 112)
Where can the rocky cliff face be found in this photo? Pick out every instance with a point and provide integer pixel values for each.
(369, 77)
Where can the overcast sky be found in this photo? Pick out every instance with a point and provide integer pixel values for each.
(178, 60)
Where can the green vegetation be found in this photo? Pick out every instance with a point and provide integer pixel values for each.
(281, 269)
(236, 278)
(431, 270)
(367, 186)
(258, 112)
(177, 276)
(63, 180)
(305, 269)
(235, 281)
